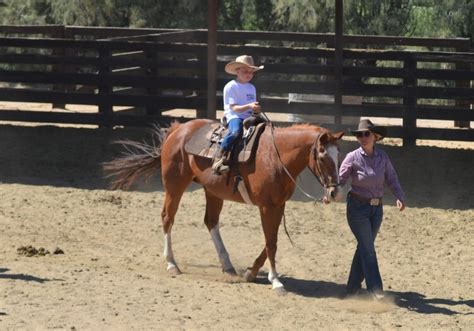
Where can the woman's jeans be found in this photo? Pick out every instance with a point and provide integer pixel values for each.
(235, 128)
(364, 221)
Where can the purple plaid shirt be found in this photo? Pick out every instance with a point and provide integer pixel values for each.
(370, 173)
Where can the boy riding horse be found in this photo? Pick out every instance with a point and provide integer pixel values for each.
(240, 103)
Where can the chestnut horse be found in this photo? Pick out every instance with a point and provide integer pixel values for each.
(282, 154)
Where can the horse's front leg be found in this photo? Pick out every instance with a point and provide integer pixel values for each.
(271, 218)
(251, 273)
(211, 219)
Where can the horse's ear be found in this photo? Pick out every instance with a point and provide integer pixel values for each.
(323, 139)
(337, 135)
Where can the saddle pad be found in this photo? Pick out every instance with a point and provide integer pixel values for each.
(200, 143)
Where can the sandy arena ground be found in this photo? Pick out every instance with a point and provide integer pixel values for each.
(111, 275)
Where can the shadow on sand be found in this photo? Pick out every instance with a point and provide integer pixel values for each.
(24, 277)
(412, 301)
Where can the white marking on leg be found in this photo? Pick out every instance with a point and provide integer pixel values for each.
(168, 253)
(220, 248)
(273, 278)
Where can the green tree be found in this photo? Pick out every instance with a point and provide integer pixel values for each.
(169, 13)
(430, 18)
(245, 14)
(303, 16)
(21, 12)
(456, 18)
(377, 17)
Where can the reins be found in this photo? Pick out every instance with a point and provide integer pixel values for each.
(288, 172)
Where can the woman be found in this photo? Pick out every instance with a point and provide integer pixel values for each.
(369, 169)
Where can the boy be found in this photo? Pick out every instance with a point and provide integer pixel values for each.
(240, 102)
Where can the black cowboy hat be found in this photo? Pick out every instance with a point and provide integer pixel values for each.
(367, 125)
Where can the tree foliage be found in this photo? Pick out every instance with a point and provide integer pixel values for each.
(430, 18)
(376, 17)
(304, 15)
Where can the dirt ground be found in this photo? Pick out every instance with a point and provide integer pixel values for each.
(105, 267)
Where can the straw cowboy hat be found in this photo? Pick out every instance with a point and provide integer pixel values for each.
(243, 61)
(367, 125)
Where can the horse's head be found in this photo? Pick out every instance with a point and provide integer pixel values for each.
(324, 163)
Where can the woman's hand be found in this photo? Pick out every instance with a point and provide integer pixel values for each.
(400, 205)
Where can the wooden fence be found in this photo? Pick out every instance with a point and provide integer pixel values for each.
(162, 69)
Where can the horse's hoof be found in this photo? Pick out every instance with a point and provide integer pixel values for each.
(249, 277)
(232, 279)
(230, 272)
(280, 291)
(174, 271)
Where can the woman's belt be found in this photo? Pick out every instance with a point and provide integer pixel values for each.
(372, 202)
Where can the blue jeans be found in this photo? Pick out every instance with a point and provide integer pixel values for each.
(236, 129)
(364, 221)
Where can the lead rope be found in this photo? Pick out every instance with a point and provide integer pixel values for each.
(290, 176)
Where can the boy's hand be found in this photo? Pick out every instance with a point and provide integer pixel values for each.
(255, 107)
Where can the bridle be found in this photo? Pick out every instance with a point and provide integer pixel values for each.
(323, 180)
(319, 175)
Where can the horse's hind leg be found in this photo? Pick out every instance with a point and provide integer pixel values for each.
(174, 184)
(211, 219)
(168, 213)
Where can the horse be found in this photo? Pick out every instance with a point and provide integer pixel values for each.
(269, 179)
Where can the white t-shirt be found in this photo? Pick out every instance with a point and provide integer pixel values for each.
(236, 93)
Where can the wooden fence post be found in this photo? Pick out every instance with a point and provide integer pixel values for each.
(105, 89)
(463, 84)
(211, 59)
(60, 32)
(409, 117)
(151, 55)
(338, 63)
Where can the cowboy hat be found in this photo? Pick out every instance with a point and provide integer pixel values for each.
(367, 125)
(245, 61)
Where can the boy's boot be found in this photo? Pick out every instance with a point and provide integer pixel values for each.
(220, 165)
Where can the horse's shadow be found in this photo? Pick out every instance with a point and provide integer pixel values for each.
(313, 288)
(412, 301)
(23, 277)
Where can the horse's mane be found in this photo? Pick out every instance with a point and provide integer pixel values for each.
(298, 127)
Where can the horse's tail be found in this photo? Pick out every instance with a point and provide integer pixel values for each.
(137, 160)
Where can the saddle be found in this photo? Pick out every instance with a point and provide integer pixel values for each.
(204, 142)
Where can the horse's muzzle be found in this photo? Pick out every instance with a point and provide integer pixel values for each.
(334, 192)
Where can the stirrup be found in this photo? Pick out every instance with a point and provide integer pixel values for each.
(219, 167)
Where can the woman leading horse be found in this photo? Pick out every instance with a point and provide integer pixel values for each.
(269, 179)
